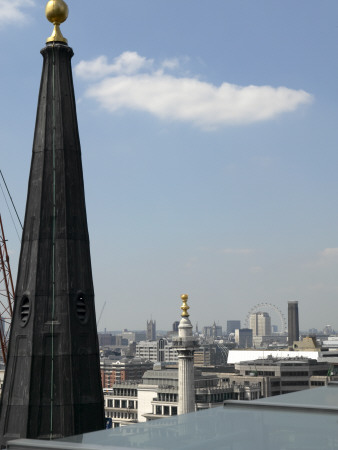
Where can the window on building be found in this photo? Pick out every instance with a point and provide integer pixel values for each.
(294, 383)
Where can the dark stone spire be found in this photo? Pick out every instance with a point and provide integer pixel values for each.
(52, 384)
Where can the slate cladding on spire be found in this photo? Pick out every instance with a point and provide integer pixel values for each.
(52, 385)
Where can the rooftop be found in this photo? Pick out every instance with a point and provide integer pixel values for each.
(297, 421)
(280, 362)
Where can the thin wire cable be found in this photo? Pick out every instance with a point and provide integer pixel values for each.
(9, 210)
(16, 212)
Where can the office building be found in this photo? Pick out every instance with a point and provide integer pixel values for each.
(156, 395)
(105, 339)
(121, 403)
(134, 336)
(260, 324)
(175, 326)
(161, 350)
(243, 337)
(122, 370)
(210, 355)
(293, 323)
(233, 325)
(284, 376)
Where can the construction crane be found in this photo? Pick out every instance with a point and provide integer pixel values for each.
(6, 294)
(104, 304)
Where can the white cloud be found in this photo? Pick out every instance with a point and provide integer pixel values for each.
(237, 251)
(170, 64)
(136, 84)
(329, 253)
(126, 64)
(256, 269)
(11, 11)
(326, 257)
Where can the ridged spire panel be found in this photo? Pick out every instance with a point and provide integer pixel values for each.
(52, 385)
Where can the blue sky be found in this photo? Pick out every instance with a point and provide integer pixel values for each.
(209, 142)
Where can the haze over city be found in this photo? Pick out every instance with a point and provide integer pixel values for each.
(209, 152)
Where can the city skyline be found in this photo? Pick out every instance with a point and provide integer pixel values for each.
(222, 184)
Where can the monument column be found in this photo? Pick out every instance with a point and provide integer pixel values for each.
(185, 345)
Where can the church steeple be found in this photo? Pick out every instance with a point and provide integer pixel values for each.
(52, 384)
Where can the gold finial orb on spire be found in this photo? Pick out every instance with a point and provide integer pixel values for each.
(184, 306)
(57, 13)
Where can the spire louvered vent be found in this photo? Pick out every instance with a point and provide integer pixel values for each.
(81, 308)
(24, 310)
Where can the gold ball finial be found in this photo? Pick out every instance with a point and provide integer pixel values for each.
(184, 306)
(56, 13)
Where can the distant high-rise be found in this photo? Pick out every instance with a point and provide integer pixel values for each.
(260, 324)
(233, 325)
(175, 326)
(212, 331)
(243, 337)
(293, 322)
(151, 330)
